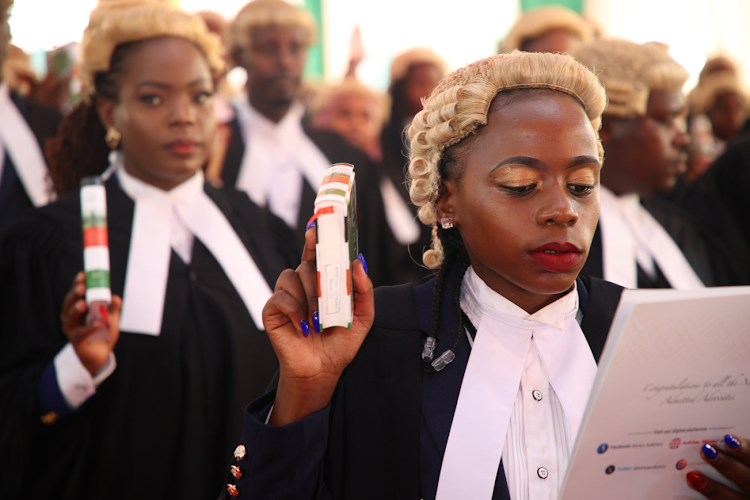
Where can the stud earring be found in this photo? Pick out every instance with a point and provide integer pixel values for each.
(446, 222)
(112, 138)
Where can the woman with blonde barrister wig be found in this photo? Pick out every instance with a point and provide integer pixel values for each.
(441, 391)
(153, 411)
(505, 161)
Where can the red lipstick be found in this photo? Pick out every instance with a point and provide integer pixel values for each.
(182, 148)
(557, 257)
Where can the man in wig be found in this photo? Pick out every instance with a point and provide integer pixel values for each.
(273, 154)
(552, 28)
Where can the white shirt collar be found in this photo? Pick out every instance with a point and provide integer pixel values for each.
(136, 189)
(477, 297)
(292, 120)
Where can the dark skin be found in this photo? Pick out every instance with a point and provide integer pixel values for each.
(645, 154)
(734, 464)
(274, 63)
(165, 96)
(727, 114)
(553, 199)
(557, 41)
(419, 83)
(164, 112)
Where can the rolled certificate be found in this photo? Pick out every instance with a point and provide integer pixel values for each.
(96, 254)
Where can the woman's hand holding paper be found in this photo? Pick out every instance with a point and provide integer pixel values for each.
(734, 464)
(311, 363)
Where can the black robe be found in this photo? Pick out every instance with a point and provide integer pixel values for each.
(373, 228)
(719, 202)
(708, 262)
(44, 123)
(388, 421)
(187, 385)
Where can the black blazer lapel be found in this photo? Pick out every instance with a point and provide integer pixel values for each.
(602, 300)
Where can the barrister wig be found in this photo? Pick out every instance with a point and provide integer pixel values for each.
(538, 21)
(711, 86)
(267, 14)
(630, 71)
(115, 28)
(117, 22)
(415, 57)
(459, 106)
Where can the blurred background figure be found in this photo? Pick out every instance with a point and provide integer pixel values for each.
(643, 240)
(24, 128)
(17, 72)
(355, 112)
(414, 74)
(274, 154)
(718, 110)
(219, 26)
(553, 28)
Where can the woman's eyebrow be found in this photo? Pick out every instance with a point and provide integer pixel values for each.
(582, 160)
(521, 160)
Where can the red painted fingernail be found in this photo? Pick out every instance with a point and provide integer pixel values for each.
(696, 479)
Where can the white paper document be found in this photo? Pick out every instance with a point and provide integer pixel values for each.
(674, 374)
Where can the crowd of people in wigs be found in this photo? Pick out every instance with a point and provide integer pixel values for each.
(212, 378)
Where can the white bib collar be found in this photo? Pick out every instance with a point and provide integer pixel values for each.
(17, 138)
(631, 237)
(493, 376)
(278, 156)
(160, 219)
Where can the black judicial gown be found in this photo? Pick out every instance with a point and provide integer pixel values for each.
(719, 201)
(384, 433)
(708, 260)
(164, 424)
(44, 123)
(373, 227)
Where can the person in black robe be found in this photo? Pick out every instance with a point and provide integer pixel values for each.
(41, 121)
(645, 142)
(269, 39)
(719, 200)
(148, 392)
(359, 413)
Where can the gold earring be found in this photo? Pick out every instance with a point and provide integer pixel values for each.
(112, 138)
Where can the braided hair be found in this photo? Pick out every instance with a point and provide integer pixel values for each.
(79, 149)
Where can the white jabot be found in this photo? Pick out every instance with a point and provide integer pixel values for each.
(631, 237)
(497, 415)
(169, 219)
(400, 219)
(17, 138)
(278, 157)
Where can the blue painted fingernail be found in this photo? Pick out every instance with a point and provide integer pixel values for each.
(364, 262)
(709, 451)
(316, 321)
(305, 328)
(732, 442)
(310, 224)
